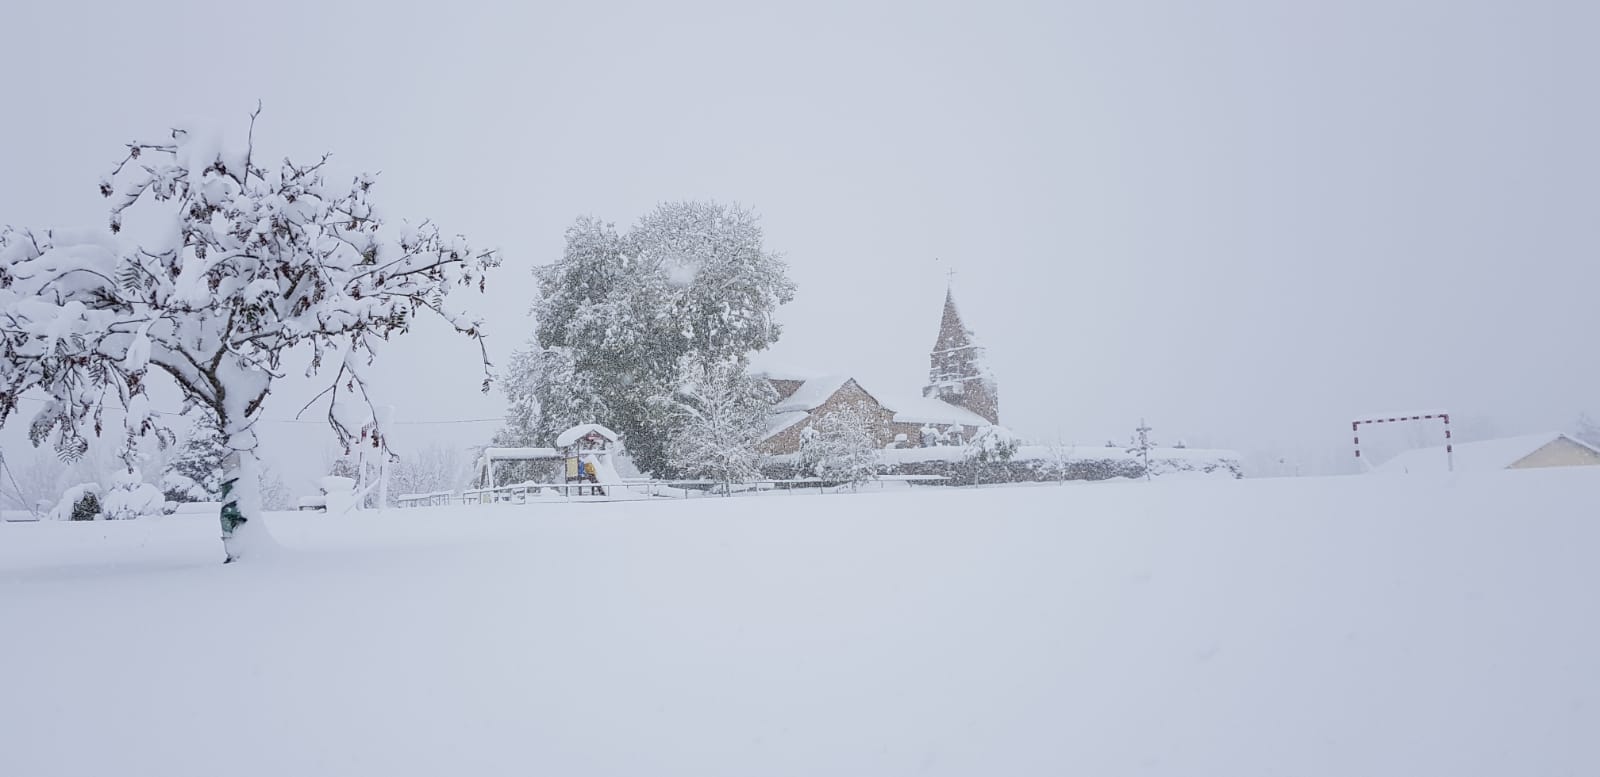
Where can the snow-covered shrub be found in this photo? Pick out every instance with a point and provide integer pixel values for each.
(129, 498)
(78, 503)
(991, 444)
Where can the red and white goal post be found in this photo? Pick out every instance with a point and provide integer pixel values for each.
(1449, 444)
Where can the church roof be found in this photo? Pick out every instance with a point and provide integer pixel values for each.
(812, 394)
(777, 422)
(931, 410)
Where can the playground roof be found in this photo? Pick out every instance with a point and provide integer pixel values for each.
(580, 431)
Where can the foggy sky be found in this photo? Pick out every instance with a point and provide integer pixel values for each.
(1243, 221)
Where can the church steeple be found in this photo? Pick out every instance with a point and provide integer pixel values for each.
(952, 333)
(957, 370)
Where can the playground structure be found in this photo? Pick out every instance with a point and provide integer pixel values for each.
(588, 450)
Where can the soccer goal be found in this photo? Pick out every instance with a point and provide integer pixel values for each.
(1443, 417)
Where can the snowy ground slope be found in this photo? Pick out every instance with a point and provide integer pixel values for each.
(1371, 626)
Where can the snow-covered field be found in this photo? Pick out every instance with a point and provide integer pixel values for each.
(1353, 626)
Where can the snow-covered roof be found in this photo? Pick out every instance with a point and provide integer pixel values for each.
(1484, 456)
(811, 394)
(777, 422)
(932, 410)
(572, 435)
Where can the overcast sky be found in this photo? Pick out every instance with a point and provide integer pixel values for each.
(1243, 221)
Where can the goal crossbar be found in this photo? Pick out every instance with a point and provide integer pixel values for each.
(1449, 443)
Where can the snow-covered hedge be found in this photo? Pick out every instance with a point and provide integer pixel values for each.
(1036, 463)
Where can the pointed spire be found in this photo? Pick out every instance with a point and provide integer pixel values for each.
(952, 332)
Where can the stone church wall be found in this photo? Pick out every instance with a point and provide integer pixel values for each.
(788, 440)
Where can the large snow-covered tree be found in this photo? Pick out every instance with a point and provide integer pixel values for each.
(723, 416)
(239, 261)
(619, 315)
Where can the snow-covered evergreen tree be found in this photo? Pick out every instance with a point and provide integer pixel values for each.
(196, 474)
(1141, 445)
(621, 314)
(991, 445)
(723, 418)
(845, 447)
(245, 262)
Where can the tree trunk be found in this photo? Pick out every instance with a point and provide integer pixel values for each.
(243, 532)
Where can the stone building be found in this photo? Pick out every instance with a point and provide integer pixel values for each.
(960, 397)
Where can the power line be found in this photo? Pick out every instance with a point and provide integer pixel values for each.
(434, 422)
(395, 423)
(21, 497)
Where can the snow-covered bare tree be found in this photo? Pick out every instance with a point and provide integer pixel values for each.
(427, 470)
(244, 262)
(343, 466)
(1588, 430)
(620, 314)
(723, 418)
(846, 445)
(274, 492)
(32, 482)
(1140, 445)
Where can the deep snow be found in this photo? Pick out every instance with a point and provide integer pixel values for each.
(1342, 626)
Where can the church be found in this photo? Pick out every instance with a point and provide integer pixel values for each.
(960, 397)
